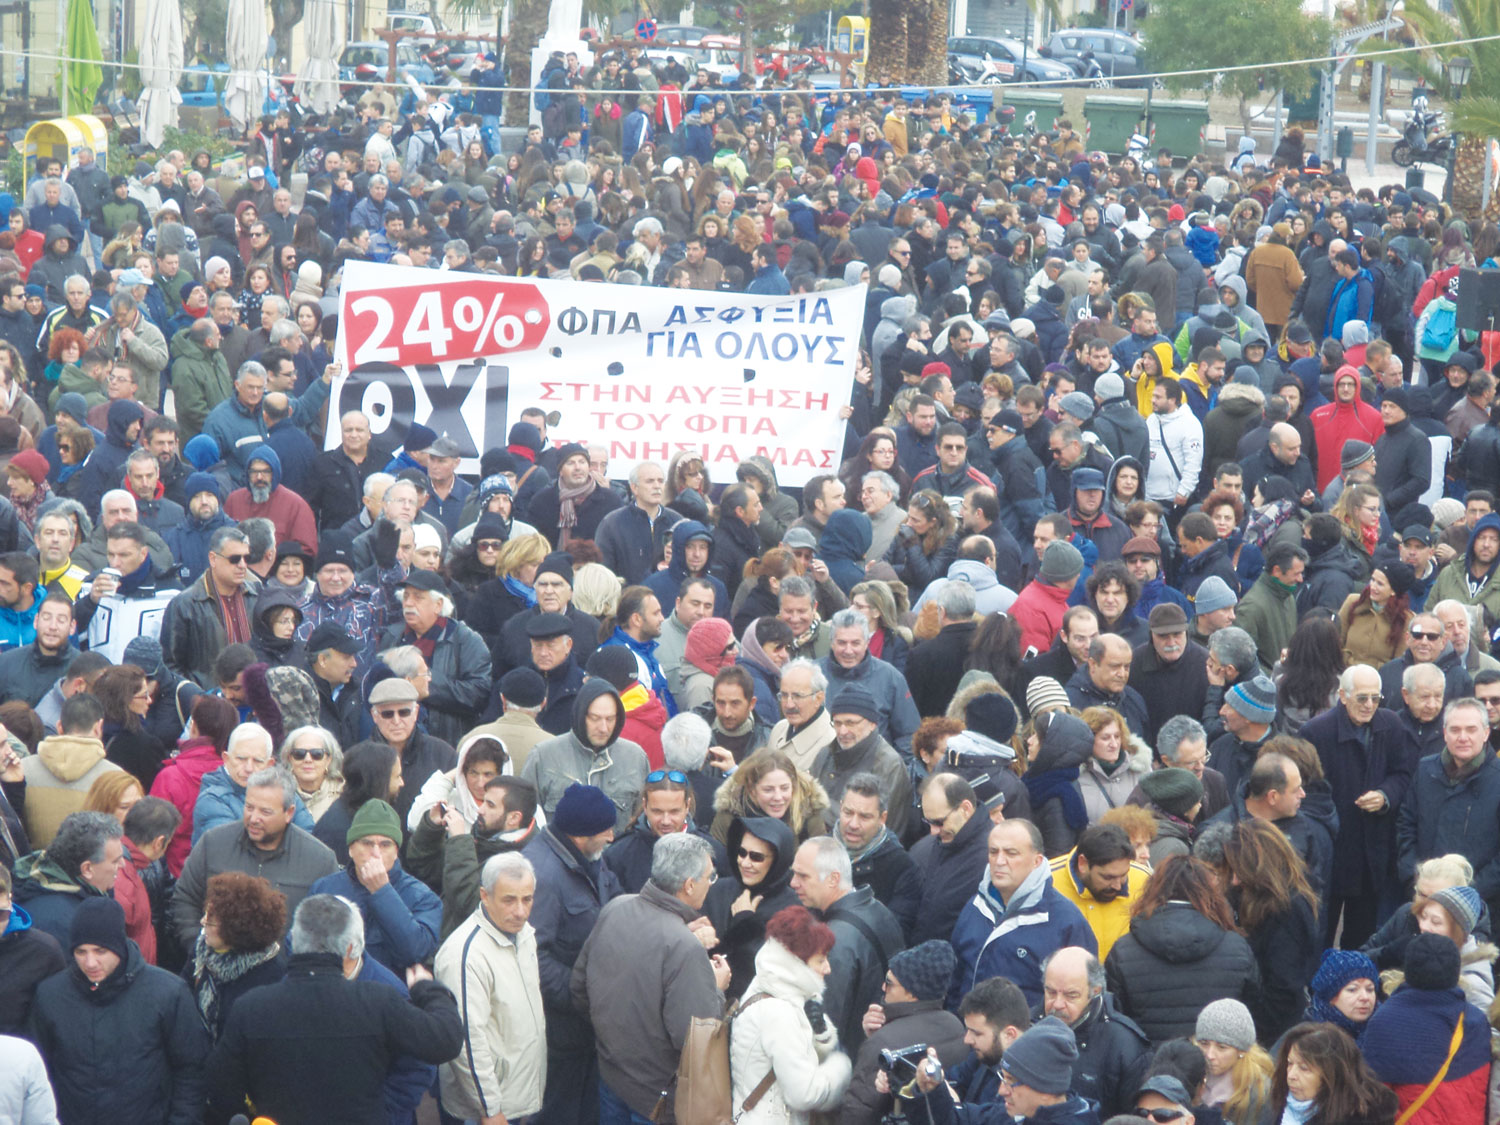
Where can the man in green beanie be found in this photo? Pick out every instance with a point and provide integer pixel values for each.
(402, 915)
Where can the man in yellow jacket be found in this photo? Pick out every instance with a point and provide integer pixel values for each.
(1100, 877)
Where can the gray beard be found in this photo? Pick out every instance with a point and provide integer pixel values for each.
(260, 493)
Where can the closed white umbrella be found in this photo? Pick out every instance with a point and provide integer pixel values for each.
(161, 69)
(317, 83)
(245, 95)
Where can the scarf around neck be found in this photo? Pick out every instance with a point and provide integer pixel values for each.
(569, 499)
(212, 970)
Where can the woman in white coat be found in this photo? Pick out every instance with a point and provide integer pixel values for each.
(780, 1033)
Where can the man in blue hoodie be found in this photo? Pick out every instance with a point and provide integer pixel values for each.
(692, 543)
(1353, 294)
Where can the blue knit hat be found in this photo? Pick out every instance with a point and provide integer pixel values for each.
(1255, 699)
(1463, 905)
(584, 810)
(203, 482)
(1339, 967)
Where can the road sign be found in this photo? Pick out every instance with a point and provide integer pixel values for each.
(646, 29)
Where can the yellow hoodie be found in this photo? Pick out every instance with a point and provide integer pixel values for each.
(1145, 385)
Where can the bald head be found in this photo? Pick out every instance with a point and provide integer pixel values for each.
(1286, 443)
(1072, 977)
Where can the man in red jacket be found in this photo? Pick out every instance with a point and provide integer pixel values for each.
(1040, 607)
(265, 496)
(1347, 418)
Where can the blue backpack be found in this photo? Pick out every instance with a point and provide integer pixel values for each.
(1442, 326)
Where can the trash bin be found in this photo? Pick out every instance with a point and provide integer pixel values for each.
(1046, 106)
(1416, 178)
(1112, 121)
(1178, 126)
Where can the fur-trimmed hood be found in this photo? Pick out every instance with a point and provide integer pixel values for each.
(1137, 758)
(1241, 398)
(809, 800)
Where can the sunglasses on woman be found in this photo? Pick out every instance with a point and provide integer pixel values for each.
(316, 753)
(753, 857)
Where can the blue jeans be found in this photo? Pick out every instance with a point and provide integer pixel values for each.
(489, 125)
(613, 1111)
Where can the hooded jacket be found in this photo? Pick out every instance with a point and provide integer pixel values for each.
(894, 313)
(742, 935)
(1337, 422)
(778, 510)
(268, 647)
(665, 584)
(1173, 963)
(619, 767)
(56, 266)
(153, 1071)
(105, 466)
(58, 778)
(846, 541)
(1051, 777)
(1237, 412)
(1456, 580)
(285, 509)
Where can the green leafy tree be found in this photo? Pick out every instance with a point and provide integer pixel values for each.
(1201, 34)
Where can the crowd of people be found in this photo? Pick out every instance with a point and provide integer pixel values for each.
(1038, 764)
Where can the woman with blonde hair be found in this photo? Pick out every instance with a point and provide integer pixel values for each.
(596, 590)
(1358, 512)
(1239, 1069)
(510, 592)
(768, 783)
(113, 793)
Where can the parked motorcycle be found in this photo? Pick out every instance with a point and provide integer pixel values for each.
(1416, 146)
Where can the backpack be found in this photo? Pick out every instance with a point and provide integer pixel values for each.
(704, 1087)
(1386, 310)
(1442, 327)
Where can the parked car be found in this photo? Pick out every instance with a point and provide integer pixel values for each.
(1117, 53)
(408, 61)
(684, 33)
(203, 86)
(426, 24)
(1007, 55)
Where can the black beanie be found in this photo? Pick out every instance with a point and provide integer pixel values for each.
(1432, 963)
(100, 921)
(559, 563)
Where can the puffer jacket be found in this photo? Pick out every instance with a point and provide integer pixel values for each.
(804, 816)
(502, 1067)
(221, 800)
(771, 1034)
(1173, 963)
(619, 768)
(152, 1072)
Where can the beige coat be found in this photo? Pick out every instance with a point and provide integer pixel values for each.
(1273, 276)
(803, 746)
(1367, 636)
(502, 1067)
(58, 778)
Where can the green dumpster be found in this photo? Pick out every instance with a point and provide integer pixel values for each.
(1111, 121)
(1179, 126)
(1047, 106)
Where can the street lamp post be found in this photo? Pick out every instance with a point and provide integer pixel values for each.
(1460, 69)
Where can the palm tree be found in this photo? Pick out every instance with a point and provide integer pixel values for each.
(1476, 116)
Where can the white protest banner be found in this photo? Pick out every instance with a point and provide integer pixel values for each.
(646, 372)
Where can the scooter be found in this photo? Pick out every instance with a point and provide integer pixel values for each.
(1420, 142)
